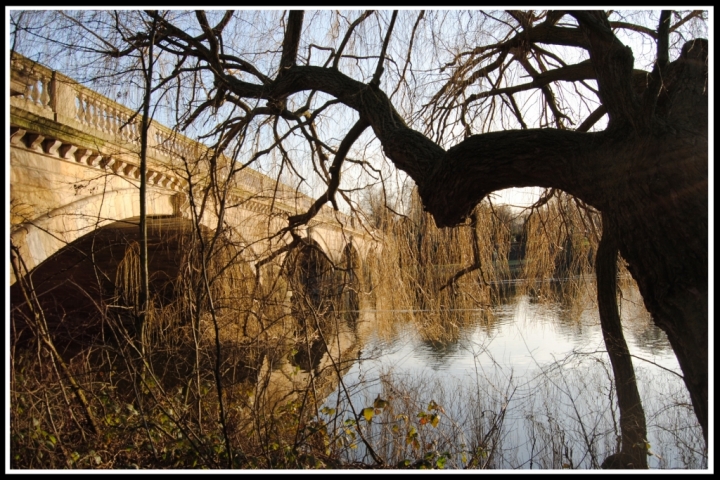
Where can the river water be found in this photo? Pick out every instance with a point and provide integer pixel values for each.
(529, 389)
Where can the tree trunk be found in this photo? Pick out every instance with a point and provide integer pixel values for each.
(142, 309)
(633, 453)
(662, 233)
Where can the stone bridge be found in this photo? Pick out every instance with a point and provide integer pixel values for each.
(74, 172)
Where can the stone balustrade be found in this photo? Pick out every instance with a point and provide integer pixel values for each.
(49, 94)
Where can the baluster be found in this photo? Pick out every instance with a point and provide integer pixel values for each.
(34, 92)
(102, 116)
(119, 123)
(45, 94)
(97, 114)
(108, 119)
(94, 117)
(99, 118)
(88, 110)
(82, 107)
(112, 125)
(135, 132)
(122, 127)
(27, 94)
(126, 128)
(112, 112)
(79, 107)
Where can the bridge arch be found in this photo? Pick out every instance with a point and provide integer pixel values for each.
(97, 273)
(41, 238)
(317, 238)
(310, 271)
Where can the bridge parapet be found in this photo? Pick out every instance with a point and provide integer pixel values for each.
(54, 96)
(48, 94)
(64, 136)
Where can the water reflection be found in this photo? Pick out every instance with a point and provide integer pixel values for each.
(541, 371)
(522, 333)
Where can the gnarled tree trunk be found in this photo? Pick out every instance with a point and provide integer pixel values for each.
(633, 452)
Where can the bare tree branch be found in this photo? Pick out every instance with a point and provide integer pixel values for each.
(613, 63)
(291, 40)
(655, 81)
(380, 69)
(347, 36)
(329, 194)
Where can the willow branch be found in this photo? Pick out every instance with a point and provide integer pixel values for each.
(347, 36)
(409, 51)
(477, 264)
(379, 69)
